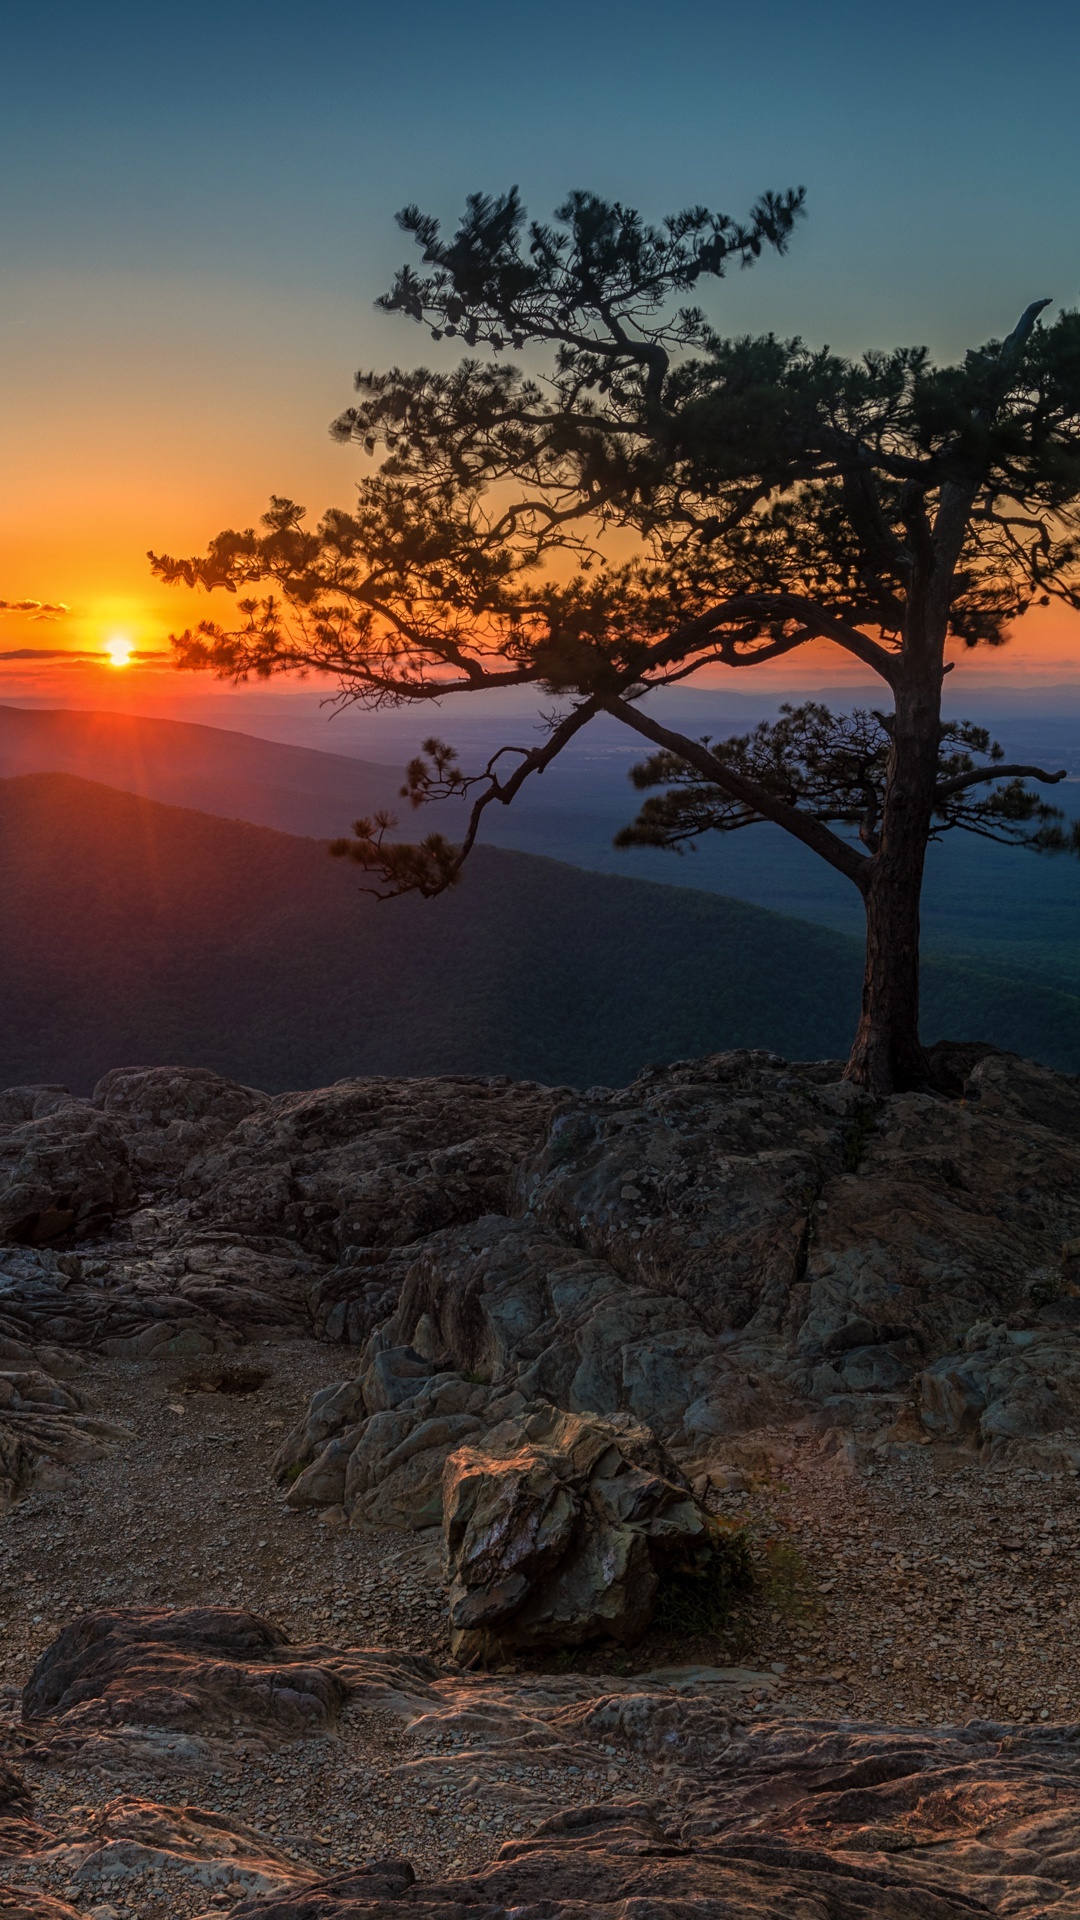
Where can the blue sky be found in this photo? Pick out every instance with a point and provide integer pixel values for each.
(268, 146)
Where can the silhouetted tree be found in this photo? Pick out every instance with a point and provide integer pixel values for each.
(637, 497)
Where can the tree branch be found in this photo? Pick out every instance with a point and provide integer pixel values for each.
(976, 776)
(817, 624)
(532, 761)
(839, 853)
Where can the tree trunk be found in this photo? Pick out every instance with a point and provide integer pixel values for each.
(887, 1056)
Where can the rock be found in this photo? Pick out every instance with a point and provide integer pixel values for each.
(506, 1302)
(386, 1470)
(45, 1429)
(956, 1210)
(394, 1475)
(556, 1531)
(724, 1156)
(131, 1836)
(332, 1410)
(64, 1169)
(201, 1294)
(26, 1903)
(831, 1821)
(33, 1103)
(725, 1245)
(172, 1113)
(370, 1164)
(347, 1896)
(206, 1670)
(1008, 1388)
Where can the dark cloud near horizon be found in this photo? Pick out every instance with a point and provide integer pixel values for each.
(40, 609)
(48, 653)
(77, 653)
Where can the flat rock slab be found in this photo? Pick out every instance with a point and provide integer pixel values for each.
(820, 1822)
(204, 1670)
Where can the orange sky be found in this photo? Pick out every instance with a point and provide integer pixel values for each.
(118, 606)
(186, 405)
(190, 264)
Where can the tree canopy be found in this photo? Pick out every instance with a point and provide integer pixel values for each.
(777, 492)
(632, 496)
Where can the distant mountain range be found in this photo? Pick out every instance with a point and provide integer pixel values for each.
(218, 771)
(136, 932)
(999, 910)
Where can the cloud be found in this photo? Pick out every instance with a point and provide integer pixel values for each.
(66, 655)
(39, 609)
(49, 653)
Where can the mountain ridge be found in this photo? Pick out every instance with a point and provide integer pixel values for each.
(144, 932)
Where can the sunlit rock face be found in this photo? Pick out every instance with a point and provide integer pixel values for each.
(831, 1822)
(725, 1243)
(550, 1320)
(766, 1820)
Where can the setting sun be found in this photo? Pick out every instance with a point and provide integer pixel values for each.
(119, 652)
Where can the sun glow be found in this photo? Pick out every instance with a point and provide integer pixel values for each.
(119, 652)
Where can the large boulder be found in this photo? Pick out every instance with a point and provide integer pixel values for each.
(557, 1529)
(370, 1164)
(172, 1113)
(65, 1171)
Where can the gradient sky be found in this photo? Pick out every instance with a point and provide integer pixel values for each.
(196, 213)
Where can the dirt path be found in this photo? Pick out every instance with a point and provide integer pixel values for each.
(935, 1589)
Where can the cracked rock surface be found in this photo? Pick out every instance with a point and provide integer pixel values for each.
(254, 1352)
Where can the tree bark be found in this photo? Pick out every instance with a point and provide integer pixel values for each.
(887, 1055)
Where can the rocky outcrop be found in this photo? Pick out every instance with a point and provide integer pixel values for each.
(46, 1428)
(64, 1167)
(841, 1821)
(170, 1114)
(159, 1291)
(178, 1213)
(563, 1308)
(368, 1166)
(203, 1670)
(726, 1244)
(558, 1530)
(834, 1822)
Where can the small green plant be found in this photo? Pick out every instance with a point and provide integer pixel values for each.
(476, 1379)
(292, 1474)
(701, 1594)
(782, 1579)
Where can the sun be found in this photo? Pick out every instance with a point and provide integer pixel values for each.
(119, 652)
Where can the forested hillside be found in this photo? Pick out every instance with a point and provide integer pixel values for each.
(137, 932)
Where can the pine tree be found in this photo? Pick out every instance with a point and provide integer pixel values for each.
(630, 497)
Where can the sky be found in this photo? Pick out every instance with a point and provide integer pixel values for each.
(196, 214)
